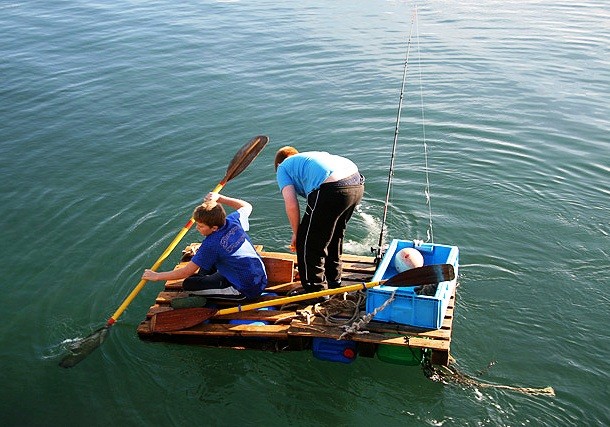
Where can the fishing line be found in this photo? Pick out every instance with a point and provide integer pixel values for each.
(377, 251)
(429, 231)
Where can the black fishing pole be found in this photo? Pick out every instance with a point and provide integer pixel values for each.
(378, 251)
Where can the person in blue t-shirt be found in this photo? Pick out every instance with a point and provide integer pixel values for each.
(333, 187)
(226, 265)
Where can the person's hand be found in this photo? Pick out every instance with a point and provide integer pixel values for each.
(293, 243)
(211, 197)
(149, 275)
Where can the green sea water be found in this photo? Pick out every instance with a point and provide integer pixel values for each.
(116, 118)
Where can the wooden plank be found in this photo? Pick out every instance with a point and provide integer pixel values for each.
(358, 267)
(271, 316)
(443, 357)
(367, 261)
(165, 297)
(279, 270)
(380, 327)
(405, 342)
(227, 330)
(358, 258)
(281, 255)
(432, 337)
(300, 329)
(388, 328)
(283, 287)
(157, 309)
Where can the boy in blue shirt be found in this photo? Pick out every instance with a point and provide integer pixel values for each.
(333, 187)
(226, 265)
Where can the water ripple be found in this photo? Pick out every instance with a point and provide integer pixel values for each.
(118, 118)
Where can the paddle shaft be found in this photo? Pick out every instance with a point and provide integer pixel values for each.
(157, 264)
(417, 276)
(175, 320)
(296, 298)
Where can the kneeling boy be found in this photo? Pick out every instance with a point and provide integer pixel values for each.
(226, 266)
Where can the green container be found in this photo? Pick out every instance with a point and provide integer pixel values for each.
(399, 355)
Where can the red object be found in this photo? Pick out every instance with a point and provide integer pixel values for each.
(349, 353)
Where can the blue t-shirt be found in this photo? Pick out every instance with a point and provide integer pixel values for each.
(230, 252)
(308, 170)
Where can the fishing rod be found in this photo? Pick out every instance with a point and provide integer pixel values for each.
(378, 251)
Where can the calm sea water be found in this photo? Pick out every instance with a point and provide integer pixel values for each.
(117, 117)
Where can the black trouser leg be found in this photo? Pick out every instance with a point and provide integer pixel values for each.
(321, 232)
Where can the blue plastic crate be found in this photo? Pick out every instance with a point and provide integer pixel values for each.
(332, 350)
(409, 308)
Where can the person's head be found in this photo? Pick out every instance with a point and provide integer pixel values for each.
(283, 153)
(209, 216)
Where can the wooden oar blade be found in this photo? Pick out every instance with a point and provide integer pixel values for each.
(81, 348)
(245, 156)
(425, 275)
(175, 320)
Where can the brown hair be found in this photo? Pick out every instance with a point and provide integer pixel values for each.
(211, 214)
(283, 153)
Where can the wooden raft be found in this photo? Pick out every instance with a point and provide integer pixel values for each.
(293, 327)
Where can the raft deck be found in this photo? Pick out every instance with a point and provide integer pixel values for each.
(294, 326)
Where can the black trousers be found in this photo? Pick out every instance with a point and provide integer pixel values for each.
(213, 286)
(321, 232)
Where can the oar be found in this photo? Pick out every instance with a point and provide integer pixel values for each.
(175, 320)
(81, 348)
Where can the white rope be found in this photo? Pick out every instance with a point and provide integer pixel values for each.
(355, 327)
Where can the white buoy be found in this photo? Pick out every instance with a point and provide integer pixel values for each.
(407, 259)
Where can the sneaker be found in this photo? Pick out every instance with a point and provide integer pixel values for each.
(334, 285)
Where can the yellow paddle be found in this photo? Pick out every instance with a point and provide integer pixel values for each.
(80, 349)
(175, 320)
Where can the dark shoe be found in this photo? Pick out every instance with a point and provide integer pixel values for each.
(314, 287)
(334, 285)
